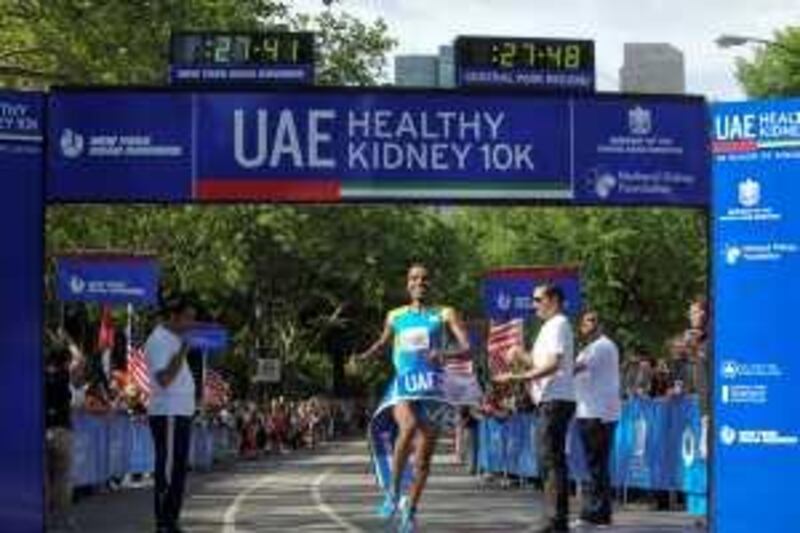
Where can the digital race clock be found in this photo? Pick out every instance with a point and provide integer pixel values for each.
(546, 64)
(241, 58)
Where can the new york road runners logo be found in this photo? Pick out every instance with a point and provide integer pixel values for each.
(727, 435)
(77, 285)
(71, 143)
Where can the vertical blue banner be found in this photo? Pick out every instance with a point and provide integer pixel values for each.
(21, 367)
(756, 247)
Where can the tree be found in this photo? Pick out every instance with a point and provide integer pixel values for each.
(112, 42)
(775, 70)
(350, 52)
(639, 267)
(324, 277)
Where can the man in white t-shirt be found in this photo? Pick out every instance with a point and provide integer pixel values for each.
(552, 389)
(597, 389)
(171, 409)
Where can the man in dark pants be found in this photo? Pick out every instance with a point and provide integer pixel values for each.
(171, 408)
(552, 389)
(597, 389)
(64, 368)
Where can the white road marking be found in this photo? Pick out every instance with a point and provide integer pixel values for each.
(229, 519)
(326, 509)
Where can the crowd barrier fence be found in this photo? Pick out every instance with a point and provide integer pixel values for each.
(108, 446)
(659, 444)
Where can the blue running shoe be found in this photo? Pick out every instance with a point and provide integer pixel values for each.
(387, 508)
(408, 518)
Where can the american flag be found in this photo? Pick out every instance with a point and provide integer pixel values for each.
(502, 337)
(137, 369)
(216, 391)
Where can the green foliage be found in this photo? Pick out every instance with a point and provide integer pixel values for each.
(639, 267)
(350, 52)
(311, 284)
(112, 42)
(775, 70)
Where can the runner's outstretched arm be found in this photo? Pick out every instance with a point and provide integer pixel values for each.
(378, 345)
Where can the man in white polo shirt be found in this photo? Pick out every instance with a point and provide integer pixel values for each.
(597, 390)
(552, 389)
(171, 409)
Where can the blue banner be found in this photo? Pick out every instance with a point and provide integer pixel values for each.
(641, 152)
(658, 444)
(120, 147)
(508, 293)
(21, 215)
(756, 247)
(107, 278)
(207, 336)
(426, 387)
(215, 74)
(376, 145)
(693, 463)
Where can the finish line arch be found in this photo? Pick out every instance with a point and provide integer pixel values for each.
(368, 145)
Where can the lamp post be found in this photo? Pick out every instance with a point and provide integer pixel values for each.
(728, 41)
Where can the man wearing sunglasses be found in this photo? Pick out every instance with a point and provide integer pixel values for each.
(552, 389)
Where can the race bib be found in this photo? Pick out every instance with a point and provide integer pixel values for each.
(414, 339)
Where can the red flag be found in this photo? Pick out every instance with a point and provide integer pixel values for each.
(137, 370)
(105, 334)
(216, 391)
(502, 337)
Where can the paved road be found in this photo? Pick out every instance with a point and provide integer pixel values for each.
(331, 489)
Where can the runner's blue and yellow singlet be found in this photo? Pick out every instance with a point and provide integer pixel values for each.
(416, 332)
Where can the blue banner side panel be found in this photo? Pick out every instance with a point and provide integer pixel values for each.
(21, 410)
(756, 246)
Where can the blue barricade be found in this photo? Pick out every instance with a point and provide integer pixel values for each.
(113, 445)
(658, 444)
(201, 451)
(143, 456)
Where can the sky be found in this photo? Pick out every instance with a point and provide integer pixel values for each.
(421, 26)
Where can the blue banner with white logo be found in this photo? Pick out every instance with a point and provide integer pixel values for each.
(508, 293)
(112, 279)
(207, 336)
(692, 473)
(21, 215)
(756, 247)
(424, 385)
(376, 145)
(658, 444)
(641, 152)
(107, 146)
